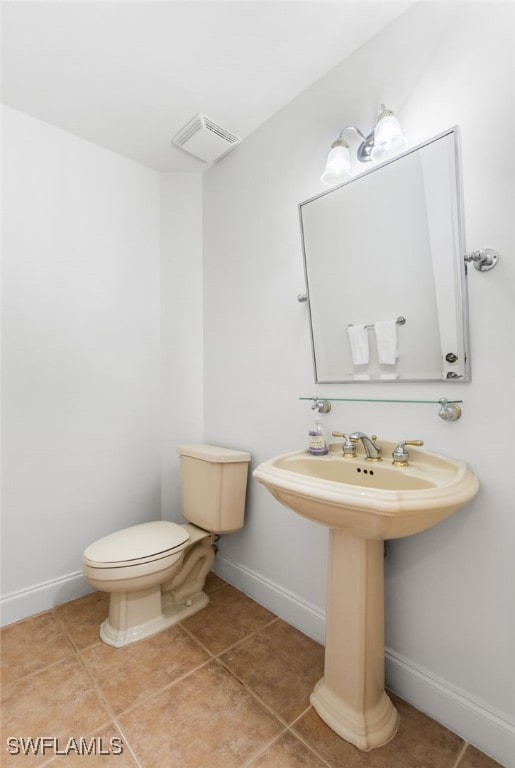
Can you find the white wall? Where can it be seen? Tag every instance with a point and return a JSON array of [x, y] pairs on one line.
[[81, 367], [102, 358], [450, 590], [181, 327]]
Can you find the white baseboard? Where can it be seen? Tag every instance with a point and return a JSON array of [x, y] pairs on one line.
[[487, 730], [42, 597], [470, 719]]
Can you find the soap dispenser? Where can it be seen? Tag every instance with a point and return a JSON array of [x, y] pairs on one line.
[[317, 442]]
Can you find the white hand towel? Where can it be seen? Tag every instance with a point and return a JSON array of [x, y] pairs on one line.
[[358, 338], [386, 337]]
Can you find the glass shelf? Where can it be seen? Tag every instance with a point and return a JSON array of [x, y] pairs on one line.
[[449, 409], [440, 401]]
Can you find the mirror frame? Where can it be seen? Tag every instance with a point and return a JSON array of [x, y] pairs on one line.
[[461, 266]]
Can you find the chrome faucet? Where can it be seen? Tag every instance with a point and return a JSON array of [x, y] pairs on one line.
[[372, 450]]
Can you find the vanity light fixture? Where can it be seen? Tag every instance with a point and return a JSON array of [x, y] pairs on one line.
[[337, 168], [385, 141]]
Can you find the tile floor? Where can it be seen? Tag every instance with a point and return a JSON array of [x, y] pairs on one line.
[[227, 688]]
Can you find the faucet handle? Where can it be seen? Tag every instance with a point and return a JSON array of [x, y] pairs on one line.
[[400, 455], [349, 446]]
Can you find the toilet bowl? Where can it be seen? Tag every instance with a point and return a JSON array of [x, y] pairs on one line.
[[155, 572]]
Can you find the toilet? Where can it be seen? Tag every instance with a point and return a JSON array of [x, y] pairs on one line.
[[155, 572]]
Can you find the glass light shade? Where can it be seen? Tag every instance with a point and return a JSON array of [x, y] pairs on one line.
[[337, 169], [389, 140]]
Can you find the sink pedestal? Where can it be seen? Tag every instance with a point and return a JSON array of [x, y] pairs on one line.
[[350, 697]]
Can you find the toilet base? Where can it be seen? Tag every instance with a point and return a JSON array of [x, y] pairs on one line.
[[167, 616]]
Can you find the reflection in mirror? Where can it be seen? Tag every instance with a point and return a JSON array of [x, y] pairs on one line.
[[385, 274]]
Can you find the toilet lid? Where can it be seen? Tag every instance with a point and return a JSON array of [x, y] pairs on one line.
[[138, 543]]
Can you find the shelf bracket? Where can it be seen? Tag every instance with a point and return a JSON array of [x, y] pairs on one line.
[[483, 260]]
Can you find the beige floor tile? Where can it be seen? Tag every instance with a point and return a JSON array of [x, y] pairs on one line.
[[281, 665], [105, 749], [82, 618], [473, 758], [287, 752], [129, 674], [419, 743], [31, 645], [229, 617], [58, 702], [207, 720]]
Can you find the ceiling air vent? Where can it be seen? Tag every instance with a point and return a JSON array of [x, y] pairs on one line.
[[205, 139]]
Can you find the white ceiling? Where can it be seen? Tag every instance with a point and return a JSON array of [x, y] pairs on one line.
[[128, 75]]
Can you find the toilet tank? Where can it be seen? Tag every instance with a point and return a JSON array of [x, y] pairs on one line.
[[213, 482]]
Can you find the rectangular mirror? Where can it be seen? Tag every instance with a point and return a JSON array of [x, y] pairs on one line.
[[387, 247]]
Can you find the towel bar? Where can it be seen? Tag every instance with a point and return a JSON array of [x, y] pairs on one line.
[[400, 321]]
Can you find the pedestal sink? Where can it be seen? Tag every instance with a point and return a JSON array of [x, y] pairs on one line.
[[363, 503]]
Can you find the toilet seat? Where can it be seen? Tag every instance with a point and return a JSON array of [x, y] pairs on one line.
[[138, 545]]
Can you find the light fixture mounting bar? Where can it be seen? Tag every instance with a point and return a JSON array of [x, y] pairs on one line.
[[366, 146]]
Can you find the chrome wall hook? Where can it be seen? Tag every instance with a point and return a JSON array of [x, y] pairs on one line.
[[483, 260]]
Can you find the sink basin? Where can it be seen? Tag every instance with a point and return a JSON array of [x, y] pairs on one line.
[[375, 500], [363, 503]]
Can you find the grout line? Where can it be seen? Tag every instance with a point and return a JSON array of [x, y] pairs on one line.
[[287, 726], [155, 693], [96, 686], [112, 715], [304, 741], [64, 627], [72, 650], [294, 735], [23, 678], [127, 742], [460, 754], [216, 655], [67, 634], [255, 696], [92, 734], [299, 717], [257, 755], [311, 749], [195, 639]]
